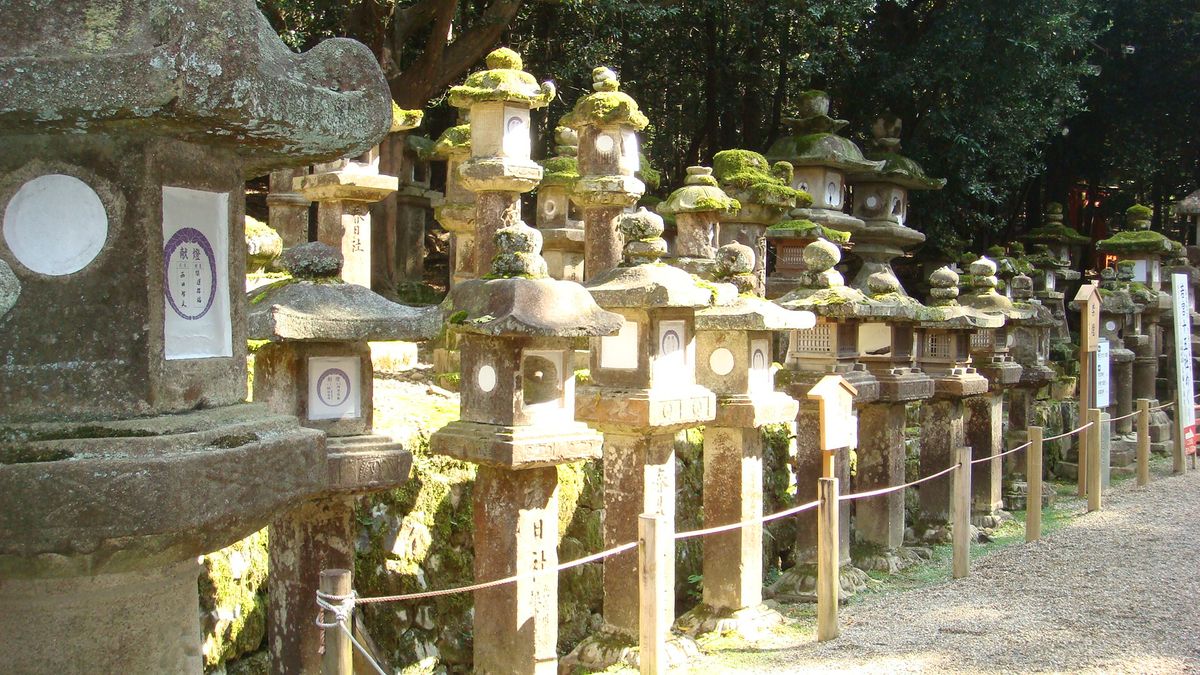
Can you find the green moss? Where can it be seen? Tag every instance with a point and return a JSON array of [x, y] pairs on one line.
[[649, 175], [1136, 241], [405, 119], [1058, 233], [454, 140], [458, 317], [583, 376], [506, 85], [714, 203], [233, 593], [804, 228], [560, 171], [1139, 212], [606, 107]]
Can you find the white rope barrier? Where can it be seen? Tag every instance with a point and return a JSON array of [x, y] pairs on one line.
[[1006, 453], [896, 488], [342, 607]]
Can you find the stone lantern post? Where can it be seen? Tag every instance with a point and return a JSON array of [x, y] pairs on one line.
[[129, 448], [821, 159], [764, 195], [1143, 252], [734, 346], [1055, 264], [317, 367], [1031, 350], [1120, 312], [829, 347], [563, 236], [455, 210], [517, 423], [697, 208], [287, 209], [499, 170], [344, 191], [887, 341], [643, 392], [985, 412], [944, 352], [606, 122]]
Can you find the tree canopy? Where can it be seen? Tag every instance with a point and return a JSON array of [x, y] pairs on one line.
[[1012, 102]]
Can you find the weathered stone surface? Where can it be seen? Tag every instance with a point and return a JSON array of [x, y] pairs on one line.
[[10, 288], [148, 64], [138, 516], [517, 447], [324, 311], [880, 520], [942, 434]]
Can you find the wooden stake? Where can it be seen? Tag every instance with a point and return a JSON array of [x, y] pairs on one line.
[[827, 559], [1093, 467], [657, 598], [962, 514], [1087, 366], [338, 658], [1033, 491], [1143, 442]]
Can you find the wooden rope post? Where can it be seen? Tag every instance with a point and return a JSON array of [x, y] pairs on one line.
[[962, 514], [339, 657], [1033, 490], [1143, 442], [827, 559], [656, 541], [1094, 480]]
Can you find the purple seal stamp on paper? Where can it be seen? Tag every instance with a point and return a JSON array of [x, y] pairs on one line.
[[189, 273], [333, 387]]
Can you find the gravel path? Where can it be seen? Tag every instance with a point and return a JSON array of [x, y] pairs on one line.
[[1114, 591]]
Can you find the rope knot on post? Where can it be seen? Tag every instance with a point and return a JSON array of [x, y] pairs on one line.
[[342, 607]]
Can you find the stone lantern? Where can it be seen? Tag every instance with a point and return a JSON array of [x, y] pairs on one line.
[[1031, 350], [130, 450], [287, 209], [317, 367], [1143, 253], [1188, 209], [734, 355], [944, 352], [344, 190], [829, 347], [764, 195], [499, 169], [455, 210], [697, 209], [517, 423], [821, 159], [563, 240], [990, 348], [887, 341], [643, 391], [1055, 264], [1121, 307], [607, 122]]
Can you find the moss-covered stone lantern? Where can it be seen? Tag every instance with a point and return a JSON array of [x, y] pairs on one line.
[[829, 347], [455, 210], [764, 195], [820, 158], [500, 169], [1143, 254], [643, 391], [317, 366], [734, 357], [607, 122], [518, 423], [944, 352], [563, 235], [697, 209], [1188, 209], [1055, 264], [127, 132]]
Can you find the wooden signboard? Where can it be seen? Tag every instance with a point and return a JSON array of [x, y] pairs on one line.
[[838, 425], [1089, 317], [1185, 415]]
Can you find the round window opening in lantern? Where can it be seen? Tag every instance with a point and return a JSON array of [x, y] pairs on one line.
[[541, 378]]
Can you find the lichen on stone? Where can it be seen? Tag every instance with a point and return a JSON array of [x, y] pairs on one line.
[[804, 228], [455, 140], [606, 105], [504, 81], [560, 171], [699, 193], [403, 120], [748, 171]]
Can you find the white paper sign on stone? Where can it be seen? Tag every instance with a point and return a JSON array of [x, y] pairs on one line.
[[620, 351], [1185, 403], [1103, 396], [671, 362], [197, 321], [333, 388], [760, 366]]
